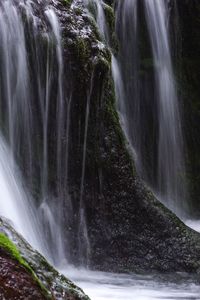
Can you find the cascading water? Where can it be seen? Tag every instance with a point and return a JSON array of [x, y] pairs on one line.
[[82, 230], [35, 121], [36, 130], [170, 145], [15, 110], [127, 81], [14, 199], [99, 16], [26, 101], [150, 116]]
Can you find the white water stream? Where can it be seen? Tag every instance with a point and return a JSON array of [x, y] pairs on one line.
[[170, 182], [104, 286], [150, 112], [15, 204]]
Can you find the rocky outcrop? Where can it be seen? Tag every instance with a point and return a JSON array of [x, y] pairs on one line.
[[25, 274], [16, 282], [128, 229]]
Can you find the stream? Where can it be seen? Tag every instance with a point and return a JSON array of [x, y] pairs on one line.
[[104, 286]]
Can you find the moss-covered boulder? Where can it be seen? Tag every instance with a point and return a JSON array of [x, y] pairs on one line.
[[128, 228], [26, 274]]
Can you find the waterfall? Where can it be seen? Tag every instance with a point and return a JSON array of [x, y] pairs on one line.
[[15, 109], [15, 202], [97, 6], [170, 145], [31, 73], [127, 85], [35, 111], [35, 119], [84, 243], [148, 106]]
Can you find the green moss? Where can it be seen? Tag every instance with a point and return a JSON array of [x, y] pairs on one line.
[[92, 8], [110, 17], [6, 244], [66, 2], [9, 247], [82, 48], [110, 20]]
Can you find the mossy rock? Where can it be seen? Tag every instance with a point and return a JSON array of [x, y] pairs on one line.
[[128, 228], [11, 249], [53, 284]]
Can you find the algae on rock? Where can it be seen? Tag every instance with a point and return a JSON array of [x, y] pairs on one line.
[[53, 284]]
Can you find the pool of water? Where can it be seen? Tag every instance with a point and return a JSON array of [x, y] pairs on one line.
[[108, 286]]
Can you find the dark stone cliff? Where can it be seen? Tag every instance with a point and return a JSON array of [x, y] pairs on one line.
[[129, 230]]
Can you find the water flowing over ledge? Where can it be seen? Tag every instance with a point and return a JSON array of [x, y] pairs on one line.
[[84, 202]]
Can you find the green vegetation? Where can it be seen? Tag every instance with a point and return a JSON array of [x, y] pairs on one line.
[[67, 2], [7, 245], [11, 249]]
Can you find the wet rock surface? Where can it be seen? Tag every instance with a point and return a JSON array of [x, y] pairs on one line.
[[15, 281], [57, 285], [129, 229]]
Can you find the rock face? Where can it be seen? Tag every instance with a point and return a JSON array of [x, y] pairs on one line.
[[43, 282], [127, 228], [16, 282]]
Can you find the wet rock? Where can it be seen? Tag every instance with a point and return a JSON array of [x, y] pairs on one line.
[[58, 286], [128, 228], [15, 281]]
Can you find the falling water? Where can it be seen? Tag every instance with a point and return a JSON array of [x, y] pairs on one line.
[[97, 6], [170, 145], [127, 79], [135, 93], [15, 109], [149, 106], [26, 104], [55, 220], [33, 103], [84, 243], [15, 204], [29, 99], [56, 30]]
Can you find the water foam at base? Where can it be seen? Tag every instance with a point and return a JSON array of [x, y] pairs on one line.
[[104, 286]]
